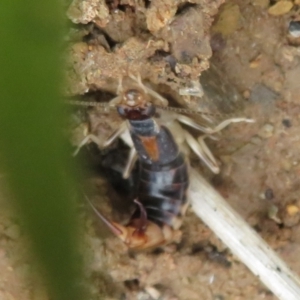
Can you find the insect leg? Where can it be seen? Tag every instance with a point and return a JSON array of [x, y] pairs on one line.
[[96, 140], [190, 122], [115, 135], [120, 86], [202, 151], [130, 163], [199, 147], [225, 123], [138, 79], [125, 136], [206, 149], [88, 138]]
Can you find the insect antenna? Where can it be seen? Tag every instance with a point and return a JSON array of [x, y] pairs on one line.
[[88, 103], [107, 105], [102, 106], [180, 110]]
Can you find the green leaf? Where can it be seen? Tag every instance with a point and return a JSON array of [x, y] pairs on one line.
[[31, 142]]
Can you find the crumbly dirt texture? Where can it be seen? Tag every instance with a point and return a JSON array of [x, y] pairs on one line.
[[166, 42], [170, 43]]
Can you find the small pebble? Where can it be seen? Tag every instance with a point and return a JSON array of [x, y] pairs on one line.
[[263, 95], [246, 94], [256, 140], [153, 292], [287, 123], [292, 209], [229, 19], [294, 28], [142, 296], [261, 3], [290, 220], [255, 62], [286, 164], [269, 194], [280, 8], [266, 131], [219, 297], [272, 214], [262, 196]]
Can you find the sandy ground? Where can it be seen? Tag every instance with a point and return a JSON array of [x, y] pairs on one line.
[[167, 42]]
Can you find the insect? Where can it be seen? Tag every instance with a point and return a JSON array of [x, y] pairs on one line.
[[163, 169]]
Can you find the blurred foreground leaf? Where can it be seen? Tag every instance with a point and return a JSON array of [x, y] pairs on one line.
[[31, 143]]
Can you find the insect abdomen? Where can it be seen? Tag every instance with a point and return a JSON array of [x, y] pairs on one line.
[[163, 199], [163, 182]]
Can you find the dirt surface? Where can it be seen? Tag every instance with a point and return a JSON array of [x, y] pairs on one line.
[[170, 43]]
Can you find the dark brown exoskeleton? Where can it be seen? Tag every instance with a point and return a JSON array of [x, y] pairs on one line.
[[163, 177]]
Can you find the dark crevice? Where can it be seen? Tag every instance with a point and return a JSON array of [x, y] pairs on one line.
[[198, 247], [112, 4], [287, 123], [281, 226], [142, 33], [219, 257], [257, 228], [157, 251], [97, 95], [126, 8], [97, 36], [183, 7], [132, 285], [115, 5], [212, 253], [147, 3], [158, 55]]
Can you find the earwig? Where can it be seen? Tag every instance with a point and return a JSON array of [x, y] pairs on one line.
[[163, 170], [163, 177], [171, 114]]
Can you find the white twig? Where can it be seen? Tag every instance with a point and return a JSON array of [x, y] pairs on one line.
[[242, 240]]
